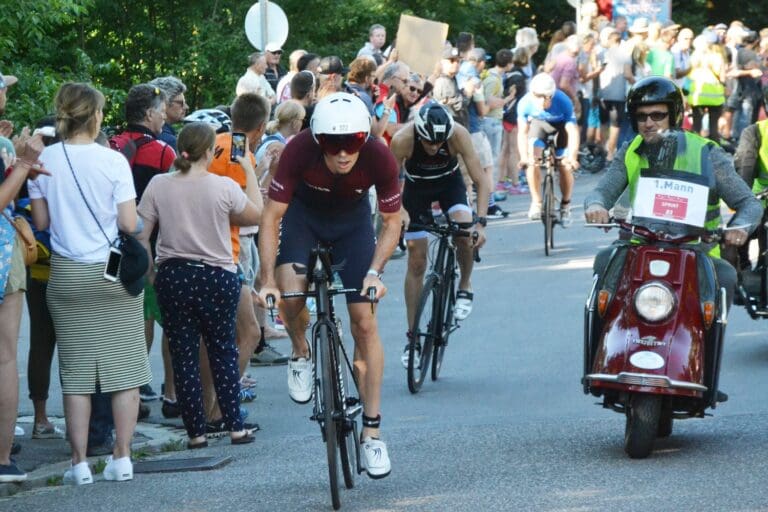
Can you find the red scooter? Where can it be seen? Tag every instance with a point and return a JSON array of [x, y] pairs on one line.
[[654, 326]]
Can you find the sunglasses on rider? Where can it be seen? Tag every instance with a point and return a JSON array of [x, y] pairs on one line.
[[655, 116], [349, 142], [415, 89]]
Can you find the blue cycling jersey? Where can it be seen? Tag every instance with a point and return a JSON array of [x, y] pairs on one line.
[[560, 111]]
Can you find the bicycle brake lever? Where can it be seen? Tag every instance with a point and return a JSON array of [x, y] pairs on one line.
[[372, 297], [475, 251]]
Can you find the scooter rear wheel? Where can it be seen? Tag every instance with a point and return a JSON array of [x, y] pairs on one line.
[[643, 416]]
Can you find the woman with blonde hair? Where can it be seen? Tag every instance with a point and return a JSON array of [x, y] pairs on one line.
[[99, 324]]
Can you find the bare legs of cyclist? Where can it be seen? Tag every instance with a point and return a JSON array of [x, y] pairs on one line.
[[533, 174]]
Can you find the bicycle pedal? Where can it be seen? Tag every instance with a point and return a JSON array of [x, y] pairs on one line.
[[351, 400]]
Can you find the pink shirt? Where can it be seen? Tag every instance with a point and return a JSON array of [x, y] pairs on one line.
[[566, 70], [193, 217]]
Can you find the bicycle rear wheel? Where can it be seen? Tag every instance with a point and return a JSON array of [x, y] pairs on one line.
[[424, 332], [548, 213], [329, 387], [449, 302]]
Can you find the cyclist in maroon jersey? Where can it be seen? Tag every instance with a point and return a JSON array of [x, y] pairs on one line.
[[320, 193]]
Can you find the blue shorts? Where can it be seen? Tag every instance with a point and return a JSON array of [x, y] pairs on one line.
[[593, 117], [350, 234]]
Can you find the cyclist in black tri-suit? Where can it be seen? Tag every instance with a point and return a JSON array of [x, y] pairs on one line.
[[428, 150]]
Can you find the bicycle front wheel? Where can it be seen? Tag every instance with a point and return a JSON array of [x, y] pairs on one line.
[[347, 427], [548, 213], [329, 387], [449, 303], [424, 331]]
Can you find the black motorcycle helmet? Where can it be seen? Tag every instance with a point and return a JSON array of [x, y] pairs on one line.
[[433, 123], [653, 90]]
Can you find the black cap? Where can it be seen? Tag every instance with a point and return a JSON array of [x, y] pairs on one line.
[[331, 65], [133, 265]]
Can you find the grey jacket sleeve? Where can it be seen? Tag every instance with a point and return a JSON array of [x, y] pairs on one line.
[[745, 159], [736, 194], [612, 184]]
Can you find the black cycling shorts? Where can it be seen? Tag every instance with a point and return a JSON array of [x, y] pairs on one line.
[[418, 196], [613, 113], [350, 234]]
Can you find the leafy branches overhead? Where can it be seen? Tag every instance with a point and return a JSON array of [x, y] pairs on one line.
[[118, 43]]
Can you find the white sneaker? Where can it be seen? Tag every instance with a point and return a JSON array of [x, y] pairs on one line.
[[300, 380], [79, 474], [565, 215], [375, 458], [118, 469]]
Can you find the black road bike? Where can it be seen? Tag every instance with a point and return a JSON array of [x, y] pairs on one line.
[[434, 321], [548, 210], [337, 407]]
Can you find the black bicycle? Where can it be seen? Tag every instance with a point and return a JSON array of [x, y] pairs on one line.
[[434, 321], [336, 403], [548, 212]]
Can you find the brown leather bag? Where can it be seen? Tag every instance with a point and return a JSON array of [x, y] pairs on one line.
[[26, 238]]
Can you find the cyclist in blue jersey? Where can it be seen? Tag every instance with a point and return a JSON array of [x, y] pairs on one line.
[[543, 111]]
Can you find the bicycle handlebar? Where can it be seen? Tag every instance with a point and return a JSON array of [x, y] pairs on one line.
[[451, 229], [707, 236]]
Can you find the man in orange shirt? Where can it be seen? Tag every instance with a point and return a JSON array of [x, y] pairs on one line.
[[249, 114]]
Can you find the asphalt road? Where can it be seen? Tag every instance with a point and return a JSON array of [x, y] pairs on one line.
[[505, 428]]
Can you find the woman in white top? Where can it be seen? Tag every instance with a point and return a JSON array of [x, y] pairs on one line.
[[88, 198]]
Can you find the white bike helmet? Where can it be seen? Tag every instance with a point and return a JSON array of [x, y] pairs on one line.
[[216, 118], [338, 114], [543, 85]]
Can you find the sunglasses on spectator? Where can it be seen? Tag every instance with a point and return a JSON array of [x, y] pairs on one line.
[[350, 143], [655, 116], [415, 89], [277, 52]]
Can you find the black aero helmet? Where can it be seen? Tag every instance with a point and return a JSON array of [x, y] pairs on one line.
[[434, 123], [653, 90]]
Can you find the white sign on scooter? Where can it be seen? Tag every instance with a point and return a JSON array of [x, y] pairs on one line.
[[671, 200]]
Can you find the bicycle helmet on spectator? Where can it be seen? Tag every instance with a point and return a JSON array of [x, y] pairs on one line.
[[543, 85], [433, 123], [654, 90], [216, 118]]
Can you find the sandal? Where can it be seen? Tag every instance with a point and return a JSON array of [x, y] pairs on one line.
[[463, 306], [197, 446], [248, 438]]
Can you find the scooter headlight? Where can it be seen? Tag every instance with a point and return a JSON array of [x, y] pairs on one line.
[[654, 302]]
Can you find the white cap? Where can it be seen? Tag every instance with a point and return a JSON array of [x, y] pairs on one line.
[[273, 47]]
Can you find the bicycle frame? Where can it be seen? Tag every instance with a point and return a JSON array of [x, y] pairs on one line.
[[548, 218]]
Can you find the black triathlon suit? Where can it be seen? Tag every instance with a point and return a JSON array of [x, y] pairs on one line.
[[430, 178]]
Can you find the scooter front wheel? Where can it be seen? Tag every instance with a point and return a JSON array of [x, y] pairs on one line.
[[642, 425]]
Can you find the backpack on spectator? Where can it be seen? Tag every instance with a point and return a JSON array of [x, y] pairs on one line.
[[128, 146]]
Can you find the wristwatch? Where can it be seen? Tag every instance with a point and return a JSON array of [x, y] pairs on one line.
[[374, 272], [482, 221]]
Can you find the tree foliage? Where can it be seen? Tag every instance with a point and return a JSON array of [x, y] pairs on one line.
[[117, 43]]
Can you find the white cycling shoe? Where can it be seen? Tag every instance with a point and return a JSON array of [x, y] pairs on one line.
[[463, 306], [300, 380], [375, 458]]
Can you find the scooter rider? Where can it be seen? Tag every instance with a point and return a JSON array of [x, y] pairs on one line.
[[751, 161], [662, 149]]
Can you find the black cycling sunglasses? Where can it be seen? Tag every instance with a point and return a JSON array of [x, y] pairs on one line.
[[655, 116]]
